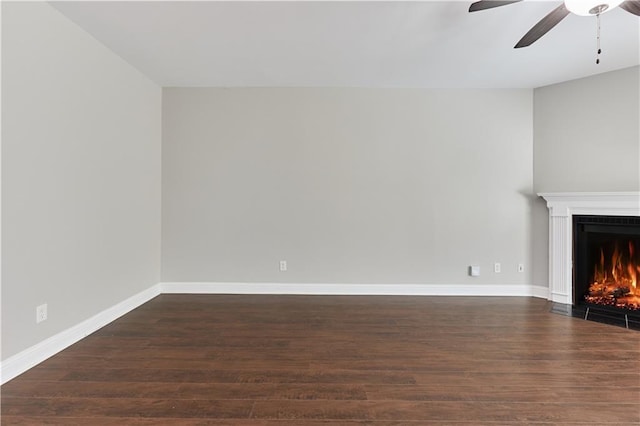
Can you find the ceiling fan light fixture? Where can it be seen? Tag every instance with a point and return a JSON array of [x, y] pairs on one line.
[[591, 7]]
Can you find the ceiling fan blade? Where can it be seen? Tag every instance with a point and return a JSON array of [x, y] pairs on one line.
[[543, 26], [489, 4], [631, 6]]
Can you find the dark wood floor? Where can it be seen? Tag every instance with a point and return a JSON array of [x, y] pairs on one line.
[[298, 360]]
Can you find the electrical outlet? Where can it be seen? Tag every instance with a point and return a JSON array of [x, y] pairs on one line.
[[283, 266], [41, 313], [520, 267], [496, 268]]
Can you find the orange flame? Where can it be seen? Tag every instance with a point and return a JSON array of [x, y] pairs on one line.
[[616, 283]]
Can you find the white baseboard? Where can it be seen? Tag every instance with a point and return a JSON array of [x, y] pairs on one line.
[[354, 289], [540, 292], [560, 298], [30, 357]]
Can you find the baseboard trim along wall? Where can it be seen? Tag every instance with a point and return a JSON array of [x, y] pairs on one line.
[[21, 362], [354, 289]]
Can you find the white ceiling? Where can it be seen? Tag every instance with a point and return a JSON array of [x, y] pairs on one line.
[[353, 44]]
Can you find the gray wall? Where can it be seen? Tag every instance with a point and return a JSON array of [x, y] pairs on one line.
[[80, 176], [347, 185], [587, 134]]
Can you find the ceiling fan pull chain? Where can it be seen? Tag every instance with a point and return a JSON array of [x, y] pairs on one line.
[[598, 39]]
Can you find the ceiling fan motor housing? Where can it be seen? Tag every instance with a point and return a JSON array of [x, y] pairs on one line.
[[591, 7], [597, 10]]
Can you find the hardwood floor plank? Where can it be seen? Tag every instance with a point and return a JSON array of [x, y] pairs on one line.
[[363, 365], [238, 376], [216, 391], [116, 362], [590, 413], [447, 411], [567, 393], [317, 410], [127, 407], [542, 379]]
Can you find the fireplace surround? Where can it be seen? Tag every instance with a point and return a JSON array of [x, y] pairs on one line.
[[563, 206]]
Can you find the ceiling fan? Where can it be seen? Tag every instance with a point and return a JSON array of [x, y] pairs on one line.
[[578, 7]]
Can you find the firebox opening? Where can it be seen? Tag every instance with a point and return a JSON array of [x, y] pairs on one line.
[[607, 262]]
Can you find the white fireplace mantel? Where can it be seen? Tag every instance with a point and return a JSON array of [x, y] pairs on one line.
[[562, 206]]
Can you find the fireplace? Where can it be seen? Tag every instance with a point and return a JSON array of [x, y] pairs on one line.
[[600, 222], [606, 263]]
